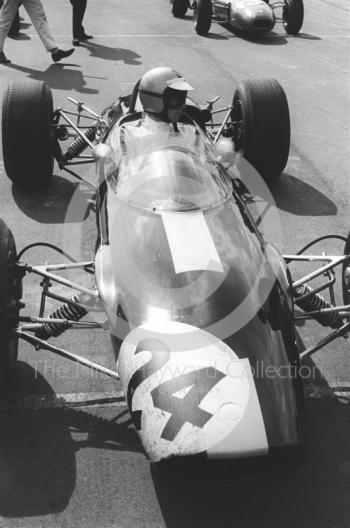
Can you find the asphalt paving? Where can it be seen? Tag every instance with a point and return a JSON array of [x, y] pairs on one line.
[[69, 456]]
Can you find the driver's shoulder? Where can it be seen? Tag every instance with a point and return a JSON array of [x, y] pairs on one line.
[[122, 129]]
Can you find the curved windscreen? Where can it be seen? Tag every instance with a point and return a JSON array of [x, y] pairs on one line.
[[170, 173]]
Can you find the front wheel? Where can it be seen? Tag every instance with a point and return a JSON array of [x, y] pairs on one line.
[[10, 293], [202, 13], [293, 16], [27, 132], [260, 111], [179, 8]]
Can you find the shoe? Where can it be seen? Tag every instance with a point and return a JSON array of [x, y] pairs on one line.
[[86, 37], [76, 40], [3, 58], [59, 54]]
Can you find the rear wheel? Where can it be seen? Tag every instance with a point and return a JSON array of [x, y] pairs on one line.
[[179, 8], [202, 15], [26, 132], [261, 108], [346, 273], [293, 16], [10, 293]]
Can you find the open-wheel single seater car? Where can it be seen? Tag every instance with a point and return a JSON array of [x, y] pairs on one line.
[[199, 304], [252, 16]]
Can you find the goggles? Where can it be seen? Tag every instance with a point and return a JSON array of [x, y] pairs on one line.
[[174, 99]]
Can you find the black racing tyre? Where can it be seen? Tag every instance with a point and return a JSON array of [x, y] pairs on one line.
[[27, 132], [10, 293], [293, 16], [179, 8], [346, 273], [202, 15], [261, 107]]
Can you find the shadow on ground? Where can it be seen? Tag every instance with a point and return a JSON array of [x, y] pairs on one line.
[[315, 495], [19, 36], [62, 201], [305, 36], [37, 456], [300, 198], [271, 38], [59, 77], [218, 36], [287, 192], [38, 447], [112, 53]]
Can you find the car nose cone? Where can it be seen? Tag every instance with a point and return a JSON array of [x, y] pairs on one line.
[[257, 16], [263, 20], [187, 392]]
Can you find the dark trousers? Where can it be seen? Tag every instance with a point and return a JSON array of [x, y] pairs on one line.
[[79, 7]]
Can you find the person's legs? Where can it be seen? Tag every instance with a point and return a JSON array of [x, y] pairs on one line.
[[7, 15], [79, 8], [37, 15]]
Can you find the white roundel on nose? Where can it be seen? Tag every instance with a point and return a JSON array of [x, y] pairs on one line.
[[186, 389]]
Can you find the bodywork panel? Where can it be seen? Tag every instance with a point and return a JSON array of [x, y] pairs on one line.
[[246, 15]]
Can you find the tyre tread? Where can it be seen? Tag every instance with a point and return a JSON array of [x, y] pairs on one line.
[[26, 132]]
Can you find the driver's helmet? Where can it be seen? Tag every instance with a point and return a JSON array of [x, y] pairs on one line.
[[159, 86]]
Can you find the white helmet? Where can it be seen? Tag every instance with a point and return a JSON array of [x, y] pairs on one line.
[[154, 85]]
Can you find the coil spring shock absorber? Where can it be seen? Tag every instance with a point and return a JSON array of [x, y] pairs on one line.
[[314, 302], [65, 311], [79, 144]]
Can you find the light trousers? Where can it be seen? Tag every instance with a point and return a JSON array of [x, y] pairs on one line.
[[36, 14]]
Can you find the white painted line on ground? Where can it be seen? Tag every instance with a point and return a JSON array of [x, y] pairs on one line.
[[169, 35], [341, 389], [33, 402], [344, 36], [56, 401], [192, 35]]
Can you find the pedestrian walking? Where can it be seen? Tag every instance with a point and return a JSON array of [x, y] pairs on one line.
[[37, 15], [79, 35]]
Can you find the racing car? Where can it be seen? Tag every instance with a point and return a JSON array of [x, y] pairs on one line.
[[252, 16], [198, 302]]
